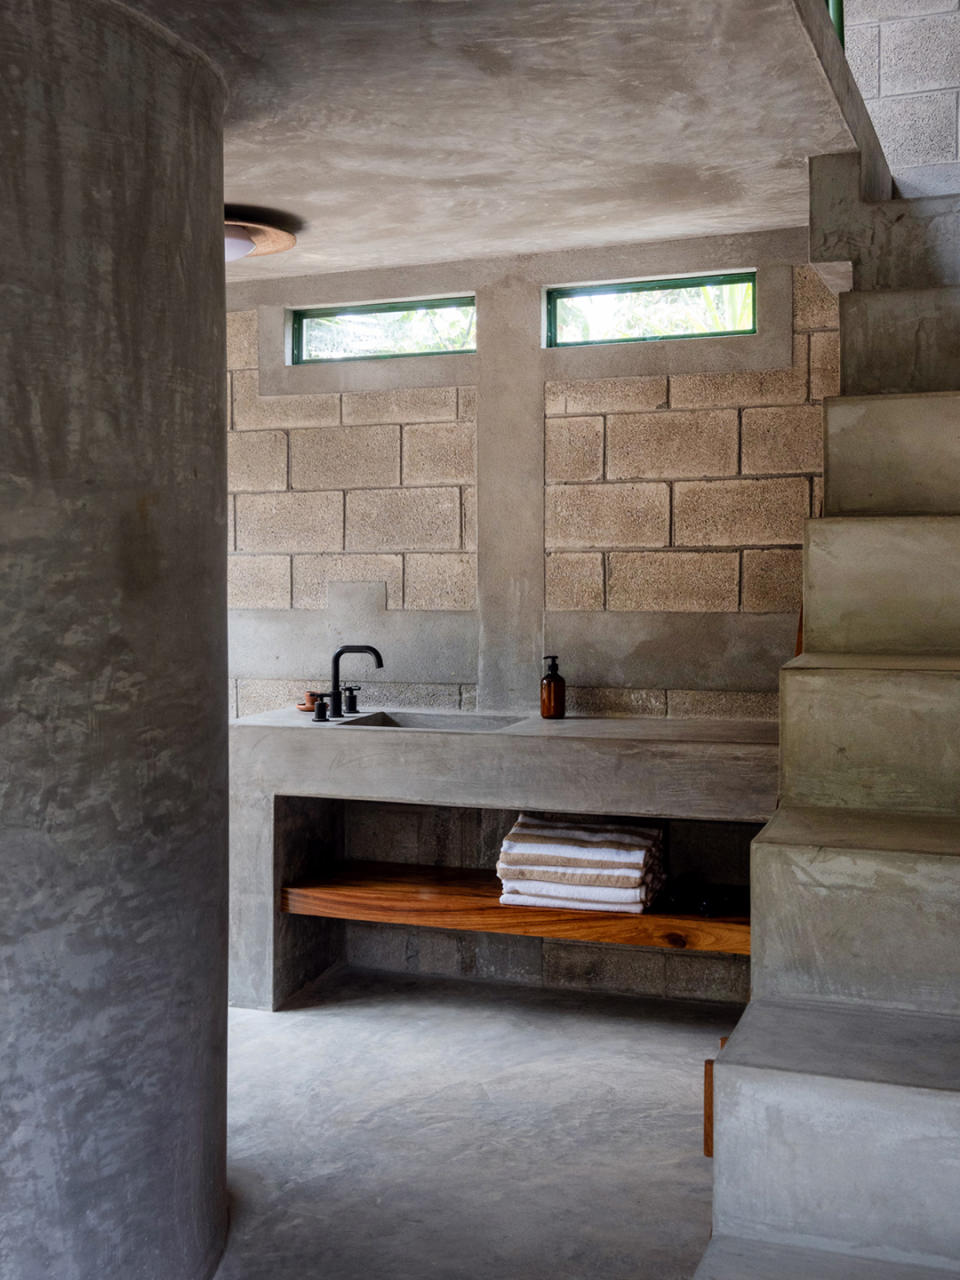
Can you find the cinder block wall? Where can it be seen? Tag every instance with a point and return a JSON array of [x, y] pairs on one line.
[[905, 57], [673, 500], [688, 494]]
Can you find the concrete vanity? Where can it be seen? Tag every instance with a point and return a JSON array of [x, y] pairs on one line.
[[723, 770]]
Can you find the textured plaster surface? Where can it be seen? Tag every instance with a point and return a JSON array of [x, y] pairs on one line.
[[413, 132], [113, 785], [462, 1131]]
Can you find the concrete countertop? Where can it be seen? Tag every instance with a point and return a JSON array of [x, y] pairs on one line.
[[645, 766]]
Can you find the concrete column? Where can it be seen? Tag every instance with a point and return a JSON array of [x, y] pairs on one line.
[[112, 635]]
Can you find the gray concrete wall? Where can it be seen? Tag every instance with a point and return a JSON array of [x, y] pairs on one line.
[[504, 498], [112, 788], [905, 57]]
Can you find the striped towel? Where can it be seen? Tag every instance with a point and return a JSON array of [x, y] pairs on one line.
[[582, 866]]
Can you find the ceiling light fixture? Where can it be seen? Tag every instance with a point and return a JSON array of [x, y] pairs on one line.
[[253, 239]]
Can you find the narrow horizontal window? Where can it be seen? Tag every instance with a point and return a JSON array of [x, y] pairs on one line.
[[647, 310], [435, 326]]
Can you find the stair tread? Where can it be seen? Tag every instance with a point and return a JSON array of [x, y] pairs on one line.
[[862, 829], [865, 1043], [734, 1258], [942, 662]]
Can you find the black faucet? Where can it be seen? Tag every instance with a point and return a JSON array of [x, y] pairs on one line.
[[336, 693]]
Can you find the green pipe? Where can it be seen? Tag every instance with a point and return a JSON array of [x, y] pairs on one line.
[[835, 8]]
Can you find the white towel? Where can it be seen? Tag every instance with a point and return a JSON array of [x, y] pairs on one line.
[[613, 877], [569, 904], [573, 892], [534, 842]]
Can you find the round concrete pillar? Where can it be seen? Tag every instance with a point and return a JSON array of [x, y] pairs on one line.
[[112, 635]]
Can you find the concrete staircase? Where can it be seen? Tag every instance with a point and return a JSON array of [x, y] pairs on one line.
[[837, 1105]]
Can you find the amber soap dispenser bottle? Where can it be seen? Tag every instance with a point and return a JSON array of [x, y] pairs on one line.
[[553, 691]]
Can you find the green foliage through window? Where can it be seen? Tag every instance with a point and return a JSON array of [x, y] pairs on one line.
[[435, 326], [643, 311]]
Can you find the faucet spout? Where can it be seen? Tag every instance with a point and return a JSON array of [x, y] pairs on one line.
[[336, 693]]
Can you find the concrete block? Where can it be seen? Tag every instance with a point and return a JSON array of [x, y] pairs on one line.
[[816, 497], [707, 977], [674, 581], [574, 449], [439, 453], [722, 704], [403, 520], [412, 404], [254, 412], [290, 522], [607, 515], [312, 574], [468, 498], [254, 696], [468, 697], [809, 1096], [882, 584], [498, 957], [921, 53], [598, 967], [231, 523], [574, 580], [345, 458], [772, 581], [784, 439], [467, 403], [814, 305], [256, 461], [862, 731], [425, 697], [893, 455], [258, 582], [916, 130], [608, 395], [824, 365], [554, 398], [862, 47], [615, 702], [720, 390], [855, 882], [660, 446], [243, 351], [900, 341], [737, 512], [928, 180], [440, 581]]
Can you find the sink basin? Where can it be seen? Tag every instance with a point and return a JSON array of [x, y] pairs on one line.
[[462, 722]]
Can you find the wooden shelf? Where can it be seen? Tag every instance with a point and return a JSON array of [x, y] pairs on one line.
[[448, 898]]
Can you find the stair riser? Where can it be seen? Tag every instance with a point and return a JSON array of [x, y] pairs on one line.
[[861, 926], [892, 455], [902, 341], [855, 739], [738, 1259], [887, 585], [800, 1146]]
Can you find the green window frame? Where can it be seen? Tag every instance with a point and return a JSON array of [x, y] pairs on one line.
[[650, 286], [379, 308]]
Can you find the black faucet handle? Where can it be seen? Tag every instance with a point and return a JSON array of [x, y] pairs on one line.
[[350, 698], [320, 706]]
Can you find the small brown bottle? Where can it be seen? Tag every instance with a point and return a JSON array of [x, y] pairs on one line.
[[553, 691]]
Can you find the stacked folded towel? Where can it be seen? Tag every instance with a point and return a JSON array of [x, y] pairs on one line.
[[586, 866]]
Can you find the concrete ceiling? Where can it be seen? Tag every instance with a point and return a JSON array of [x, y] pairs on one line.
[[407, 131]]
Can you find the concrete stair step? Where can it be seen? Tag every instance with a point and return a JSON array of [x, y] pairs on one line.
[[874, 899], [871, 731], [892, 455], [836, 1128], [882, 584], [733, 1258], [900, 340]]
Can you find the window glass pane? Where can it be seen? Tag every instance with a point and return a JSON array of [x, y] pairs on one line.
[[658, 309], [394, 329]]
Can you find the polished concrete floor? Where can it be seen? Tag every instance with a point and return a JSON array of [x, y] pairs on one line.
[[399, 1128]]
